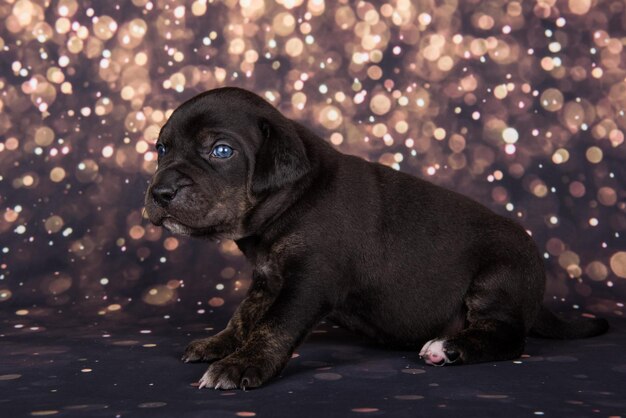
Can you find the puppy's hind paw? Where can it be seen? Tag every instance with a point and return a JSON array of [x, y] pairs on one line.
[[437, 353]]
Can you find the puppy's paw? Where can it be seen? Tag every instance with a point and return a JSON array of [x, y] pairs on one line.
[[232, 373], [195, 351], [438, 353], [208, 349]]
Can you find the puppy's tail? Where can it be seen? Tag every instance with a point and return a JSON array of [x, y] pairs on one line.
[[548, 325]]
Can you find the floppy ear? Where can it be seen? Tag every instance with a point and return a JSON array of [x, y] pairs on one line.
[[281, 160]]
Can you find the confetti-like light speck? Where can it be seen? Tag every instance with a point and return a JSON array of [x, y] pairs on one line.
[[521, 107]]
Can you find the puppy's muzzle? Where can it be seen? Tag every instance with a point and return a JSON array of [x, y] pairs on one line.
[[167, 185]]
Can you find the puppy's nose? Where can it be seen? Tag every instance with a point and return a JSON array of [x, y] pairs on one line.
[[163, 194], [167, 185]]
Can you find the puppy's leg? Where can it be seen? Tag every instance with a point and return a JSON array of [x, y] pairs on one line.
[[495, 323], [270, 344], [480, 342], [259, 297]]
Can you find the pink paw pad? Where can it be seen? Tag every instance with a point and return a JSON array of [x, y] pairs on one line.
[[434, 354]]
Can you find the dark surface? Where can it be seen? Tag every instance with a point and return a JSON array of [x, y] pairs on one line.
[[334, 374]]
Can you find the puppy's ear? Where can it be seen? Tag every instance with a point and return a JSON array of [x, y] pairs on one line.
[[281, 160]]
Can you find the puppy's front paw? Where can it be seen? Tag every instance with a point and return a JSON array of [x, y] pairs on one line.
[[209, 349], [232, 373], [437, 353]]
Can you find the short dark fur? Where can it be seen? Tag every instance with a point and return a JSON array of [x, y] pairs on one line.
[[333, 236]]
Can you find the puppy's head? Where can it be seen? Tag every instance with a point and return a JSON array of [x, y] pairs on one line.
[[220, 153]]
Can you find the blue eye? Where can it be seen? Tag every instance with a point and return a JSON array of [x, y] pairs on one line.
[[161, 149], [222, 151]]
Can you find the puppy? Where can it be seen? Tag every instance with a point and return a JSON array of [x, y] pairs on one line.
[[380, 252]]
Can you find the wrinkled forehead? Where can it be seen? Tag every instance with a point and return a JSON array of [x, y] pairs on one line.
[[203, 114]]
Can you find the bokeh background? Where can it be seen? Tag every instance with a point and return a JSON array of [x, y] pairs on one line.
[[518, 104]]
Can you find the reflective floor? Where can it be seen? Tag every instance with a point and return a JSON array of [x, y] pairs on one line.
[[131, 368]]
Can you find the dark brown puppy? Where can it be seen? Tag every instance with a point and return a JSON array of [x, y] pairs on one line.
[[330, 235]]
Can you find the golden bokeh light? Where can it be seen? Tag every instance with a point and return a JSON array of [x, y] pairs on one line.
[[519, 106]]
